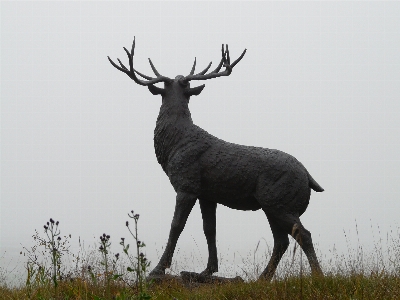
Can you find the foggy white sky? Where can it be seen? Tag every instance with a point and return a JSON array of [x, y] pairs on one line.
[[320, 80]]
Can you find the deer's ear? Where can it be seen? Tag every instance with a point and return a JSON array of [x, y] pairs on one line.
[[195, 91], [155, 90]]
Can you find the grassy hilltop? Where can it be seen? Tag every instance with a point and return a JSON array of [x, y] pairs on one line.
[[53, 272]]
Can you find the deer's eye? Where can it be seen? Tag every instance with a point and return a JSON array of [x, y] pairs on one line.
[[184, 83]]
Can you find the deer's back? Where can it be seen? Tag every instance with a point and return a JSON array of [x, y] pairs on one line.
[[232, 174], [229, 173]]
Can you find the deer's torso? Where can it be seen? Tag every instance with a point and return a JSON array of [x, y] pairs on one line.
[[199, 163]]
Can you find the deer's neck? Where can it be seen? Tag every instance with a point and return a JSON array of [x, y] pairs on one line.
[[172, 126]]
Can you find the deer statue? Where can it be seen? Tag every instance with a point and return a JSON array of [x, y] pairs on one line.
[[203, 167]]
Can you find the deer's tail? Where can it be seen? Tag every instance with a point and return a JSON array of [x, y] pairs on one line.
[[313, 184]]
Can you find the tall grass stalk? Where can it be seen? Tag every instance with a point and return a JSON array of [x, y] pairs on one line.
[[104, 246], [141, 265], [51, 230]]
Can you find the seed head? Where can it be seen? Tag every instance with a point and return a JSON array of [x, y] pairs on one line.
[[127, 223], [51, 221], [57, 223]]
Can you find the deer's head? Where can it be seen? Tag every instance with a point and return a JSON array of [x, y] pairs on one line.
[[179, 88]]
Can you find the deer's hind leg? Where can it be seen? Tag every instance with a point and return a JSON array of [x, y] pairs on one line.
[[290, 224], [281, 243], [303, 237], [208, 212]]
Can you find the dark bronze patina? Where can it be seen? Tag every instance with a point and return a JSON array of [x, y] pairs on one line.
[[204, 167]]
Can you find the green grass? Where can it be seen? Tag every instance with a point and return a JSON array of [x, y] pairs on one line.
[[357, 286], [53, 272]]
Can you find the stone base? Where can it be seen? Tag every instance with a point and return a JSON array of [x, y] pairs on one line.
[[194, 279]]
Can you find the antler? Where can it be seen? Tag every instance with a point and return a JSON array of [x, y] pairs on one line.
[[225, 61], [131, 72]]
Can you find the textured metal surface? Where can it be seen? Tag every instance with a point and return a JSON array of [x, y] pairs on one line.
[[203, 167]]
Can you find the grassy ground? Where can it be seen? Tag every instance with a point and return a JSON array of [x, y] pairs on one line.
[[53, 272], [374, 286]]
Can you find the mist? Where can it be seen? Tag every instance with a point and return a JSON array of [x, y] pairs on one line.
[[320, 81]]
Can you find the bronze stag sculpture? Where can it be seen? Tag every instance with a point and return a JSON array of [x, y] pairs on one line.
[[204, 167]]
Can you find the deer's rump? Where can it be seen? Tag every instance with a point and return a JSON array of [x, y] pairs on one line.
[[248, 178]]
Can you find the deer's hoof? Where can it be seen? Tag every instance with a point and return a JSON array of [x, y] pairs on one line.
[[206, 272], [157, 272]]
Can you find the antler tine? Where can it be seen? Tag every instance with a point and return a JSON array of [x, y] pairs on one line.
[[131, 72], [154, 68], [133, 47], [121, 64], [194, 66], [239, 58], [130, 57], [186, 80], [205, 70], [225, 61], [117, 67], [142, 75], [155, 80], [219, 66], [222, 62], [227, 55]]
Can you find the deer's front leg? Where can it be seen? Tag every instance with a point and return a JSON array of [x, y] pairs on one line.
[[183, 207], [208, 212]]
